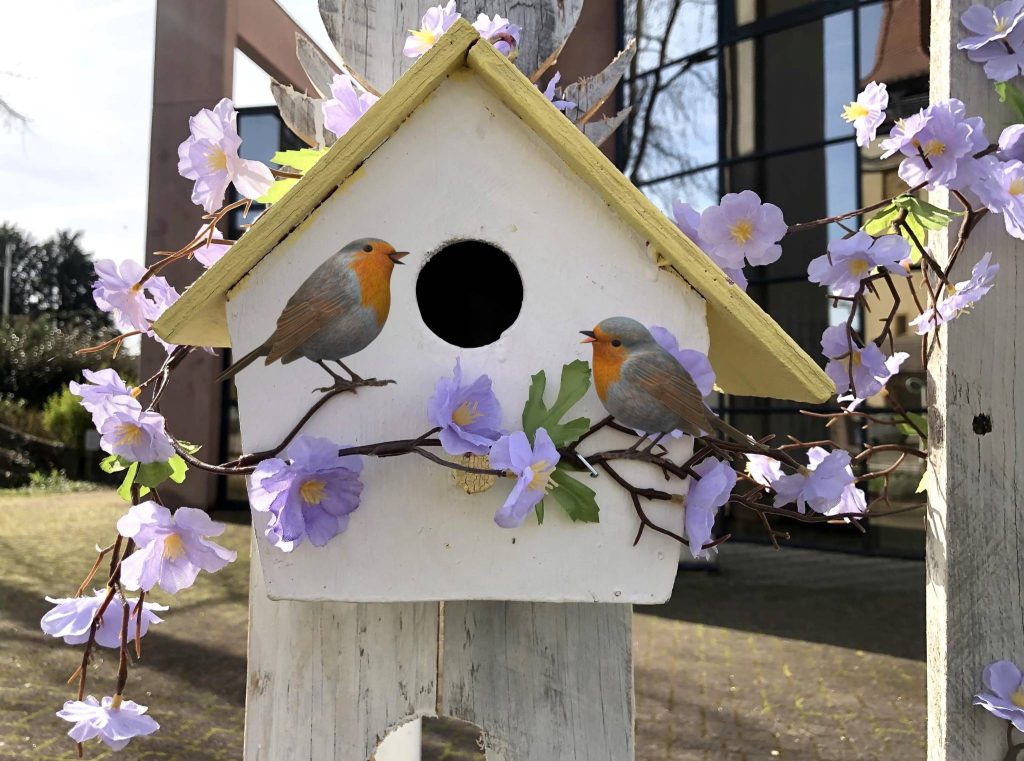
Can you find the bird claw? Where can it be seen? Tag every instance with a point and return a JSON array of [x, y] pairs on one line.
[[351, 386]]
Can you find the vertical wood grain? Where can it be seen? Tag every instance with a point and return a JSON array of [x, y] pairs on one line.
[[975, 531], [544, 681], [328, 680]]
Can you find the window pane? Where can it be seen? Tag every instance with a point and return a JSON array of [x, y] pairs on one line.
[[700, 190], [668, 30]]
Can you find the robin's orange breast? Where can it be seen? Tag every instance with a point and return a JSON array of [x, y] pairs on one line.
[[374, 278], [607, 367]]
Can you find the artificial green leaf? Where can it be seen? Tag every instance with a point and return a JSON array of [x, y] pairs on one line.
[[1013, 97], [920, 420], [576, 498], [114, 464], [124, 491], [189, 447], [573, 385], [539, 510], [178, 469], [920, 217], [923, 486], [153, 473], [301, 160], [927, 214], [277, 190]]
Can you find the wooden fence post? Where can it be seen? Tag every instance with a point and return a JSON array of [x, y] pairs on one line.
[[976, 382]]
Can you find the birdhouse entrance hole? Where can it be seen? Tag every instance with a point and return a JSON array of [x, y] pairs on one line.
[[469, 293]]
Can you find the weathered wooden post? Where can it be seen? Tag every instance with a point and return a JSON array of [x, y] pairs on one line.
[[975, 534]]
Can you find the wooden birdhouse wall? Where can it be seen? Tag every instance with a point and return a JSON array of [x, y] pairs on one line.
[[463, 167]]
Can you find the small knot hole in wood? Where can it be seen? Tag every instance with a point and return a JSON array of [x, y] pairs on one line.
[[432, 738], [469, 293]]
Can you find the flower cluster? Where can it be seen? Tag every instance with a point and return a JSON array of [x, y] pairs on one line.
[[996, 39], [134, 307], [347, 103], [862, 369], [826, 485], [500, 32]]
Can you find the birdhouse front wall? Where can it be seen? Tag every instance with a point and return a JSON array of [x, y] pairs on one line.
[[463, 167]]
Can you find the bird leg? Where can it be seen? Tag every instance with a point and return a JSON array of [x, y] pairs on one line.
[[344, 367], [344, 385], [653, 443]]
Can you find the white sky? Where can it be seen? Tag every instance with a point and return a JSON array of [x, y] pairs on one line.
[[83, 161]]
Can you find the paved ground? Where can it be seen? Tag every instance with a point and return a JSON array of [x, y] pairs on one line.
[[794, 655]]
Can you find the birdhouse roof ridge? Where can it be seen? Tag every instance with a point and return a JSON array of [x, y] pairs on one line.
[[750, 352]]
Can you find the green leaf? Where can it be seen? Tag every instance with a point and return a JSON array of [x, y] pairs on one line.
[[114, 464], [921, 217], [153, 473], [189, 447], [928, 215], [124, 491], [539, 510], [277, 190], [573, 386], [923, 486], [1013, 97], [301, 160], [577, 499], [920, 420]]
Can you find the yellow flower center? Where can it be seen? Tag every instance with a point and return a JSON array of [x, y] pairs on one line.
[[541, 475], [115, 702], [934, 148], [424, 35], [1017, 698], [174, 548], [312, 491], [855, 111], [466, 413], [858, 267], [855, 358], [217, 160], [742, 230], [1001, 23], [127, 434], [1017, 186], [135, 392]]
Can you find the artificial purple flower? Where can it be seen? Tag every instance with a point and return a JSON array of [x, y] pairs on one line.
[[114, 721], [1001, 189], [687, 219], [764, 470], [133, 307], [868, 362], [939, 144], [851, 499], [997, 39], [549, 93], [435, 22], [822, 485], [135, 434], [209, 156], [102, 390], [703, 499], [499, 32], [963, 296], [532, 468], [1004, 692], [308, 496], [850, 260], [741, 227], [347, 104], [892, 366], [210, 253], [695, 362], [71, 619], [469, 416], [1011, 143], [868, 112], [171, 549]]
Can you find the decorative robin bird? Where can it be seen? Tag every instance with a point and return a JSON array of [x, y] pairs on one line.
[[643, 386], [338, 311]]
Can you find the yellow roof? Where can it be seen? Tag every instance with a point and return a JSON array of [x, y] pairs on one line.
[[750, 353]]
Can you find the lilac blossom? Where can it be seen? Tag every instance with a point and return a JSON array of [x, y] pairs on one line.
[[961, 298], [703, 499], [133, 307], [764, 470], [851, 499], [892, 366], [742, 227], [171, 549], [939, 144], [1001, 189], [71, 619], [210, 253], [135, 434], [868, 362], [346, 105], [311, 495], [850, 260], [435, 22], [549, 93], [499, 32], [532, 468], [997, 40], [687, 219], [102, 390], [868, 112], [209, 156], [1011, 143], [114, 721], [822, 485], [469, 416], [1004, 692]]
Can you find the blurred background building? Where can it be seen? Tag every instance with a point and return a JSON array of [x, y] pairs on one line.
[[726, 95]]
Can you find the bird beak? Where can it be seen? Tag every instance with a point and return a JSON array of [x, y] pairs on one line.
[[590, 337], [396, 256]]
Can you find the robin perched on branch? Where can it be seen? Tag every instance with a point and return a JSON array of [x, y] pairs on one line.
[[338, 311]]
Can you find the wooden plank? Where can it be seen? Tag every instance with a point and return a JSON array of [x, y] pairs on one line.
[[544, 681], [318, 67], [590, 92], [751, 354], [975, 535], [198, 317], [327, 681]]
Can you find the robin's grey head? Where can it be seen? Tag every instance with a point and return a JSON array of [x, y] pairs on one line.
[[374, 247], [621, 332]]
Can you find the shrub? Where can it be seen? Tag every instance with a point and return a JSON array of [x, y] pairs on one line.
[[66, 420]]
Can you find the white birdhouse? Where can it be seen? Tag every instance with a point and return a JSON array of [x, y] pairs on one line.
[[521, 233]]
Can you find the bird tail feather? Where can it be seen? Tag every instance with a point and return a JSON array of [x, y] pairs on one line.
[[244, 362]]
